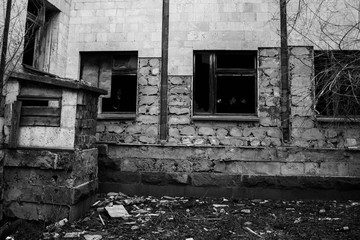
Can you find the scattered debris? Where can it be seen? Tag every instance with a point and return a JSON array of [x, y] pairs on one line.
[[74, 234], [343, 229], [328, 219], [167, 217], [92, 237], [248, 211], [298, 220], [117, 211], [253, 232], [220, 205], [53, 235], [61, 222], [135, 227], [102, 220]]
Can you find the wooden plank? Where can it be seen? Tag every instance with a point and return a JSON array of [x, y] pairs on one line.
[[164, 71], [15, 119], [55, 82], [40, 92], [40, 111], [40, 121]]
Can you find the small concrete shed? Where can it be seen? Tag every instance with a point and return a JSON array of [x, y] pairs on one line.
[[50, 167]]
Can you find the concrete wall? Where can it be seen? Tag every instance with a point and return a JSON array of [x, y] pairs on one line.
[[44, 136], [51, 54], [113, 26], [218, 25]]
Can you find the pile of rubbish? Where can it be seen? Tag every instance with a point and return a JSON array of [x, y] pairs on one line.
[[114, 205]]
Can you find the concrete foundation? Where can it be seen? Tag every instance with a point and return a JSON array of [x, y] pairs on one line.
[[230, 171]]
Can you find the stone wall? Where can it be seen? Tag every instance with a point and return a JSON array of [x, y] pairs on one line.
[[264, 130], [144, 129], [85, 125], [261, 131], [183, 130], [233, 156], [306, 129]]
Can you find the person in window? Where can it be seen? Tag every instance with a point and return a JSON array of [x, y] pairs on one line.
[[117, 100]]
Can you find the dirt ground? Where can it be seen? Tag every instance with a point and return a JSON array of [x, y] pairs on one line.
[[194, 218]]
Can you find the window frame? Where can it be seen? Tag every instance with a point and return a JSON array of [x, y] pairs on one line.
[[214, 72], [108, 115], [334, 117]]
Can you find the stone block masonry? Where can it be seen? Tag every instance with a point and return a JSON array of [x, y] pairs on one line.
[[144, 129], [200, 153]]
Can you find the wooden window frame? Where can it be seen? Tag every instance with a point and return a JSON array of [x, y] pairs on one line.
[[213, 75], [113, 115], [43, 116]]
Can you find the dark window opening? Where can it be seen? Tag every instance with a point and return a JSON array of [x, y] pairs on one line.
[[117, 69], [123, 96], [39, 12], [337, 83], [38, 103], [38, 111], [225, 83]]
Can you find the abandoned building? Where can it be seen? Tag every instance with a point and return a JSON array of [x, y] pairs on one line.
[[202, 99]]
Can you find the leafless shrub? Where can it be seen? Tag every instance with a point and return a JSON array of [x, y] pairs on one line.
[[333, 28]]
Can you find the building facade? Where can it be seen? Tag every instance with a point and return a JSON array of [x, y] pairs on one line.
[[214, 126]]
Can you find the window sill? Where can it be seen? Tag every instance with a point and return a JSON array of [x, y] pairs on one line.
[[337, 119], [116, 116], [226, 118]]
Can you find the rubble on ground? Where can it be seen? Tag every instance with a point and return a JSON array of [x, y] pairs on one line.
[[119, 216]]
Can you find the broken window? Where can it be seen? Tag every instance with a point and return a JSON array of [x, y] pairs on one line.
[[37, 111], [39, 14], [115, 72], [225, 83], [337, 83]]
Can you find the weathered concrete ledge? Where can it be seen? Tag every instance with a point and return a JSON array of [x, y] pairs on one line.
[[285, 161], [43, 184], [230, 171]]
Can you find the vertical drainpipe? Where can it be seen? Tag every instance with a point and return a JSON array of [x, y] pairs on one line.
[[4, 47], [285, 91], [164, 72]]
